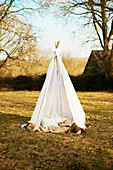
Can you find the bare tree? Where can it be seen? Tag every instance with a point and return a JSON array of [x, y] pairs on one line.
[[20, 7], [99, 13], [17, 39]]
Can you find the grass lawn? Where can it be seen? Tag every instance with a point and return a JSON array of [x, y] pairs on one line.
[[21, 149]]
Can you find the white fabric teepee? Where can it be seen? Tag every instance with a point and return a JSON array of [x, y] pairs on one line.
[[58, 98]]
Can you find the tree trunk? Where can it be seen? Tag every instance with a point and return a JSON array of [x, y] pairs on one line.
[[107, 63], [105, 39]]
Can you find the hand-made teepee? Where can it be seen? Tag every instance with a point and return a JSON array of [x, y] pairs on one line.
[[58, 99]]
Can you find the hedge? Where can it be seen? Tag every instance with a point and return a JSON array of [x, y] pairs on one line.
[[93, 82]]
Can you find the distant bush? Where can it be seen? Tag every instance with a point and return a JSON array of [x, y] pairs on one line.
[[109, 83], [28, 82], [22, 83], [6, 82], [92, 82], [83, 82], [38, 82]]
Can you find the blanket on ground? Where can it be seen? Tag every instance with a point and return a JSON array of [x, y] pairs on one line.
[[64, 127]]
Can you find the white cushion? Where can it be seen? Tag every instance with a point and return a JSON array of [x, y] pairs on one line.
[[49, 122]]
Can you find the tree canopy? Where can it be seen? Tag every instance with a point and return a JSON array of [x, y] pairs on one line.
[[17, 38]]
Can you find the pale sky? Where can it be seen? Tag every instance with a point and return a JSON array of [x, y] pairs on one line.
[[56, 29], [72, 34]]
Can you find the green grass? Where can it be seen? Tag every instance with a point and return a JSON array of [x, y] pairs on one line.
[[21, 149]]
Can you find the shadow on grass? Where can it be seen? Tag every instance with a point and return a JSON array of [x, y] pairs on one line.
[[11, 118], [21, 149]]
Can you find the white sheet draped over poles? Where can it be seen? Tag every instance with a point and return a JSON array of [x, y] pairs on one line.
[[58, 98]]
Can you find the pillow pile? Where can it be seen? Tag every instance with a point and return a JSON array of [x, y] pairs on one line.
[[49, 122]]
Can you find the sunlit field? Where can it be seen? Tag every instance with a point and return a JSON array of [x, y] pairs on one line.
[[21, 149]]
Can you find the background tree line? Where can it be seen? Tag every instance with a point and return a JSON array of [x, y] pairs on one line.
[[93, 82], [19, 41]]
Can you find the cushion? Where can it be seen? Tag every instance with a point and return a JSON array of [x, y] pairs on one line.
[[49, 122]]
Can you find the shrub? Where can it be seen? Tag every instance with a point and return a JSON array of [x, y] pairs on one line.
[[28, 82], [85, 82], [38, 82], [22, 83], [6, 82], [92, 82]]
